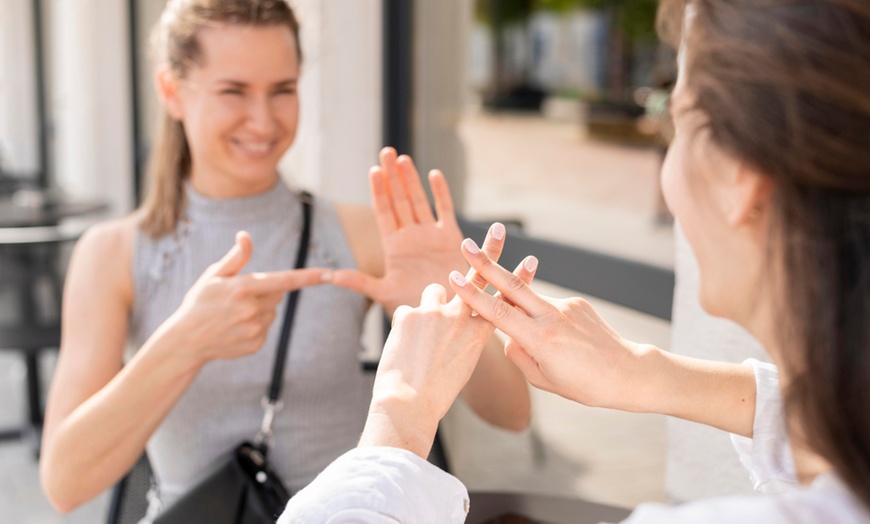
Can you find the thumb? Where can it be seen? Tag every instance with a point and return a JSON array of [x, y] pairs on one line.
[[358, 281], [235, 259], [522, 360]]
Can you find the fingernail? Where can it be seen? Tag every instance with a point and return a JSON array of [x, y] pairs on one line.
[[326, 277], [470, 246], [498, 231], [458, 279], [530, 263]]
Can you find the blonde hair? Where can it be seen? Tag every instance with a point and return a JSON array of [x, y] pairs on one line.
[[175, 47]]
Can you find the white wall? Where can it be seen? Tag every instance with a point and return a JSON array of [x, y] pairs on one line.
[[442, 34], [91, 101], [19, 126], [340, 127]]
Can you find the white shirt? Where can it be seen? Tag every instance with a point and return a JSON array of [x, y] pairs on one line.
[[387, 485]]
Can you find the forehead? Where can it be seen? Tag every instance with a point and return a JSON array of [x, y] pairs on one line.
[[248, 52]]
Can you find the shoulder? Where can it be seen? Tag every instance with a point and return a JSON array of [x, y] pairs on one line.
[[818, 503], [104, 254], [361, 230]]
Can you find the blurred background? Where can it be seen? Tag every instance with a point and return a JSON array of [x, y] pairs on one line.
[[545, 114]]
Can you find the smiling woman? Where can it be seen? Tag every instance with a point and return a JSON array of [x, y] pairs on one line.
[[185, 292]]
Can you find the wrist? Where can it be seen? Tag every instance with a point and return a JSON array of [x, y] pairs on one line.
[[171, 343], [649, 376], [396, 423]]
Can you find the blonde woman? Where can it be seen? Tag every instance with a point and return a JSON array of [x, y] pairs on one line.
[[184, 293]]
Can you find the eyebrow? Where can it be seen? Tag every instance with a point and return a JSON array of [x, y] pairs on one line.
[[237, 83]]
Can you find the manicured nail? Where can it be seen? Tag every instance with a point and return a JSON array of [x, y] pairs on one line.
[[458, 279], [470, 246], [497, 231], [326, 277], [530, 263]]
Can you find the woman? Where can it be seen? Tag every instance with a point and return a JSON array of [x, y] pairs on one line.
[[770, 178], [196, 308]]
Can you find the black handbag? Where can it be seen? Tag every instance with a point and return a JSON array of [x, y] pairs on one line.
[[244, 489]]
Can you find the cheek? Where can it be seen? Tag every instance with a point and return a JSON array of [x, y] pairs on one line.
[[673, 179]]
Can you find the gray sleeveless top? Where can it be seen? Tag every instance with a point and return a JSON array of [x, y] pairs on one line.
[[325, 394]]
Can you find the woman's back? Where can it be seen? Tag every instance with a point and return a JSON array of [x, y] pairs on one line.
[[326, 393]]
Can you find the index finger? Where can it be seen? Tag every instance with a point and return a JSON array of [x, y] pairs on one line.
[[508, 284], [287, 280], [419, 201], [513, 322]]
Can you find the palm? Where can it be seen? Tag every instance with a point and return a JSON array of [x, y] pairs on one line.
[[419, 248]]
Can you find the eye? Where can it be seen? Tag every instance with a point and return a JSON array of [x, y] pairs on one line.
[[231, 91], [286, 91]]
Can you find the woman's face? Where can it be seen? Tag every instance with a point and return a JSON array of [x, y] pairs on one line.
[[706, 189], [239, 107]]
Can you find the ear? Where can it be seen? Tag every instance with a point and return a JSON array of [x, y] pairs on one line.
[[751, 193], [168, 89]]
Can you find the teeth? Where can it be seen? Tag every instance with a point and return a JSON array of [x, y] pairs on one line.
[[255, 147]]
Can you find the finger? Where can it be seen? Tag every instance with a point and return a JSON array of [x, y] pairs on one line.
[[358, 281], [433, 296], [443, 201], [400, 313], [381, 201], [289, 280], [416, 194], [235, 259], [526, 270], [513, 322], [492, 246], [398, 195], [511, 286]]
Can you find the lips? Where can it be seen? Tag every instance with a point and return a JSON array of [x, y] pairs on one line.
[[254, 148]]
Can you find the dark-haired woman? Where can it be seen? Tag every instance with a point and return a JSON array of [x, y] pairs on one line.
[[189, 303], [769, 176]]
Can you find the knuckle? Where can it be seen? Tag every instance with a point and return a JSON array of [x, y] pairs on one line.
[[501, 310], [515, 283]]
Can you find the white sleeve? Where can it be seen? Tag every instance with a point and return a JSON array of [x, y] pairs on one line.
[[379, 485], [767, 455]]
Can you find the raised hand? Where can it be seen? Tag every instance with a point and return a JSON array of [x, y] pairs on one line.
[[419, 248], [561, 346], [428, 358], [227, 315]]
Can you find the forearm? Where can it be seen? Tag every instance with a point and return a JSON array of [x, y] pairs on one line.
[[717, 394], [497, 391], [98, 442]]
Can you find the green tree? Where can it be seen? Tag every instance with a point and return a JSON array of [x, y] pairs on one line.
[[631, 22]]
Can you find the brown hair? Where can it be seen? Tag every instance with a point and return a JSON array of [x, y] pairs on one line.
[[785, 87], [175, 46]]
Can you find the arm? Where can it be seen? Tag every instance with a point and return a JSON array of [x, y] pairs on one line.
[[428, 359], [563, 346], [401, 247], [99, 415]]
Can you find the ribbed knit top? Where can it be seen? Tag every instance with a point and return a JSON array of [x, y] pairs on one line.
[[325, 394]]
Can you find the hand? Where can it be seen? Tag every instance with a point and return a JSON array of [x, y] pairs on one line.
[[561, 346], [227, 315], [418, 248], [428, 358]]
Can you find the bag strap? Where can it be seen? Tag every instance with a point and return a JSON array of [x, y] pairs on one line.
[[272, 401]]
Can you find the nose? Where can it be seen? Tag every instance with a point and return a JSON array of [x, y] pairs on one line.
[[261, 117]]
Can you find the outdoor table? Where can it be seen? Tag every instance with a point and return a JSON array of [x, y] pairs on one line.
[[31, 282], [525, 508]]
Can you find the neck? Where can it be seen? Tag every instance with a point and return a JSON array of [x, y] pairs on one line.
[[214, 184], [763, 325]]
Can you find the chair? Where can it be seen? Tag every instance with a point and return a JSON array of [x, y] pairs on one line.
[[31, 283], [129, 501]]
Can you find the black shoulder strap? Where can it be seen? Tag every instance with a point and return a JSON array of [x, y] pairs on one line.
[[292, 300]]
